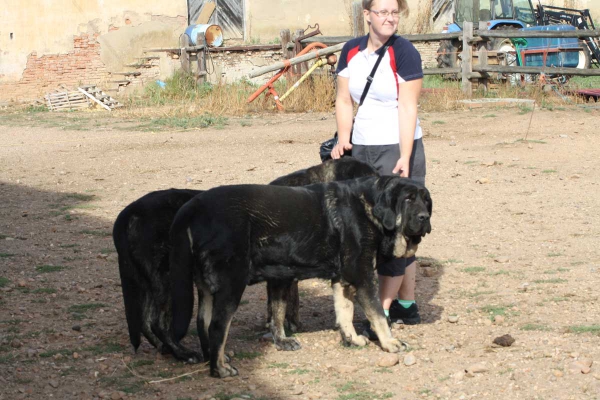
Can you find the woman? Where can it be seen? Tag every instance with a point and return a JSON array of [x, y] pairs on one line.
[[386, 132]]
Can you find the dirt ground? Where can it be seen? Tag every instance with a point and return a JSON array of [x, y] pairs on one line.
[[514, 250]]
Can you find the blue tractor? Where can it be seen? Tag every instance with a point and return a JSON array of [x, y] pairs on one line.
[[522, 15]]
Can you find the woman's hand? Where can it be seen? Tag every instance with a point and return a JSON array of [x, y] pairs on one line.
[[339, 149], [402, 167]]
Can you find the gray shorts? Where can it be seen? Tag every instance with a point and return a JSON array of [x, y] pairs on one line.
[[384, 158]]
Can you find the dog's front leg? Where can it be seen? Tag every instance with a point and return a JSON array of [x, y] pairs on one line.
[[279, 291], [343, 303], [369, 300]]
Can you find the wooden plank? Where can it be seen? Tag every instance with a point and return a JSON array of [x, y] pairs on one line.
[[94, 99], [206, 12], [305, 57], [184, 41], [467, 59]]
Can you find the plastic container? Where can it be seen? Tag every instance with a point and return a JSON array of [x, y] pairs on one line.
[[212, 33]]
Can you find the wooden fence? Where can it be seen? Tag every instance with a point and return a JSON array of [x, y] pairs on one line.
[[481, 72]]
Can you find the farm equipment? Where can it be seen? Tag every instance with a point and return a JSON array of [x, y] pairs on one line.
[[522, 15]]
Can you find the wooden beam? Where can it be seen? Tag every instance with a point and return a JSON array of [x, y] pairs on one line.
[[303, 58], [358, 20], [467, 59], [206, 13]]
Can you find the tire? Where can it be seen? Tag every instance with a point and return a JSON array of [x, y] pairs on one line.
[[448, 56], [585, 57], [506, 46]]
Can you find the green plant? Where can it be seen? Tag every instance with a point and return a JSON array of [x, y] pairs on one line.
[[247, 355], [595, 329], [535, 327], [473, 270], [49, 268], [4, 281], [80, 308]]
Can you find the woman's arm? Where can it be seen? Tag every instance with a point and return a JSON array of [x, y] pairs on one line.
[[408, 98], [343, 117]]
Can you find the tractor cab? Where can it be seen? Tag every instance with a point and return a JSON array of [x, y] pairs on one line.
[[513, 13]]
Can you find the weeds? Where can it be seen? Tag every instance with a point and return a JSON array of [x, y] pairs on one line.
[[535, 327], [473, 270], [247, 355], [4, 281], [44, 269], [595, 329]]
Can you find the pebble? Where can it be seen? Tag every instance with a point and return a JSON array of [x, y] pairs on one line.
[[388, 360], [410, 359], [22, 284], [76, 328], [502, 259], [498, 319], [477, 368], [16, 343], [345, 369], [583, 366], [557, 373], [487, 322], [452, 143], [427, 272], [76, 355], [483, 181], [453, 319], [53, 383], [458, 376]]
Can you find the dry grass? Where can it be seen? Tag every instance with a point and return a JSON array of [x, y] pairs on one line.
[[182, 97]]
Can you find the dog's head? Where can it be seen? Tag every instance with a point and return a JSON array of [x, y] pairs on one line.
[[403, 207]]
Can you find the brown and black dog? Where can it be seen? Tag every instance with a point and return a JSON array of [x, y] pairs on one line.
[[141, 237]]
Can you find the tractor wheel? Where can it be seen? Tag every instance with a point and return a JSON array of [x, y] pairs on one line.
[[585, 58], [506, 48], [448, 56]]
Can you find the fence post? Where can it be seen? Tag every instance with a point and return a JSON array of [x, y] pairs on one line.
[[483, 62], [467, 59], [358, 20], [201, 75], [285, 37], [184, 41]]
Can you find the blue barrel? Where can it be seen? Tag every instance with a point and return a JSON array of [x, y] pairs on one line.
[[213, 34]]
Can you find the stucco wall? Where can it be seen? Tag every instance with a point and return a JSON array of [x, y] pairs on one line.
[[46, 43], [267, 17]]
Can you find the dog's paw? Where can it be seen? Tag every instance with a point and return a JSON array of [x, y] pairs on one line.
[[394, 346], [355, 340], [287, 344], [224, 371]]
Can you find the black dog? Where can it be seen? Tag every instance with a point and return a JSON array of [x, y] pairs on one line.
[[232, 236], [141, 237]]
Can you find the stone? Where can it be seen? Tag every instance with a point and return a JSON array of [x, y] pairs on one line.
[[388, 360], [345, 369], [53, 383], [477, 368], [502, 259], [482, 181], [410, 359], [558, 373], [453, 319], [428, 271], [76, 328], [498, 319]]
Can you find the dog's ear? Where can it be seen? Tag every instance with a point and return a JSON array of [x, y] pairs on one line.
[[385, 209], [424, 193]]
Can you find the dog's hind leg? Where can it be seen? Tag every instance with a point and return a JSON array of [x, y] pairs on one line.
[[149, 316], [225, 303], [292, 310], [133, 308], [279, 291], [292, 317], [204, 318], [343, 296]]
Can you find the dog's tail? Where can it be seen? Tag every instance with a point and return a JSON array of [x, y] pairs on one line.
[[132, 295], [182, 275]]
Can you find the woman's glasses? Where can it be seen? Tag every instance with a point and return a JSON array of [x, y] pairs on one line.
[[386, 13]]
